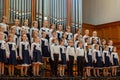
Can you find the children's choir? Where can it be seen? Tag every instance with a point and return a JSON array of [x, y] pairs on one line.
[[25, 46]]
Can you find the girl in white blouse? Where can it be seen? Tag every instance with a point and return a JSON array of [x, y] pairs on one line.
[[114, 61]]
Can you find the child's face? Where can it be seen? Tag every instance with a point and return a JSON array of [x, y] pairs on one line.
[[64, 35], [68, 29], [5, 20], [54, 34], [16, 22], [89, 46], [95, 42], [106, 48], [53, 26], [24, 37], [45, 23], [26, 23], [60, 27], [94, 33], [37, 40], [43, 34], [11, 38], [23, 32], [104, 42], [97, 47], [78, 31], [55, 41], [110, 43], [80, 45], [62, 43], [13, 30], [87, 32], [71, 43], [35, 25], [2, 29], [114, 49], [1, 36]]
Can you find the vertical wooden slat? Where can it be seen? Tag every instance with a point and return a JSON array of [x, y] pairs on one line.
[[33, 3], [68, 12], [6, 9]]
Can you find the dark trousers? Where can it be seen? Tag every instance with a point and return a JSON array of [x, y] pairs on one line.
[[80, 65], [55, 64], [70, 65]]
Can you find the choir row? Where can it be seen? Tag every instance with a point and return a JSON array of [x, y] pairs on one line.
[[25, 46]]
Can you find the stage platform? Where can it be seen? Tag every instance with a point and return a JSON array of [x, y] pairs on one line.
[[59, 78]]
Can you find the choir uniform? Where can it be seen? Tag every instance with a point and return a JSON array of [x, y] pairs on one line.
[[16, 40], [63, 55], [69, 35], [96, 38], [75, 35], [45, 30], [70, 52], [3, 52], [102, 48], [27, 31], [85, 38], [36, 54], [50, 32], [76, 44], [114, 59], [56, 57], [24, 53], [18, 30], [5, 27], [5, 36], [45, 47], [59, 34], [106, 58], [80, 53], [65, 42], [50, 40], [33, 29], [97, 58], [12, 49], [88, 58], [110, 49]]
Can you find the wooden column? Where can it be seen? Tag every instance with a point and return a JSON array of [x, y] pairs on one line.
[[68, 12], [6, 9], [33, 3]]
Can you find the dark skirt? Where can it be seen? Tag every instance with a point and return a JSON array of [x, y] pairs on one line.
[[115, 62], [12, 59], [45, 52], [26, 57], [107, 62], [98, 63], [89, 63], [3, 56], [37, 57]]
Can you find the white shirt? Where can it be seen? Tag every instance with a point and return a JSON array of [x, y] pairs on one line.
[[115, 55], [80, 52], [55, 49], [70, 51]]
